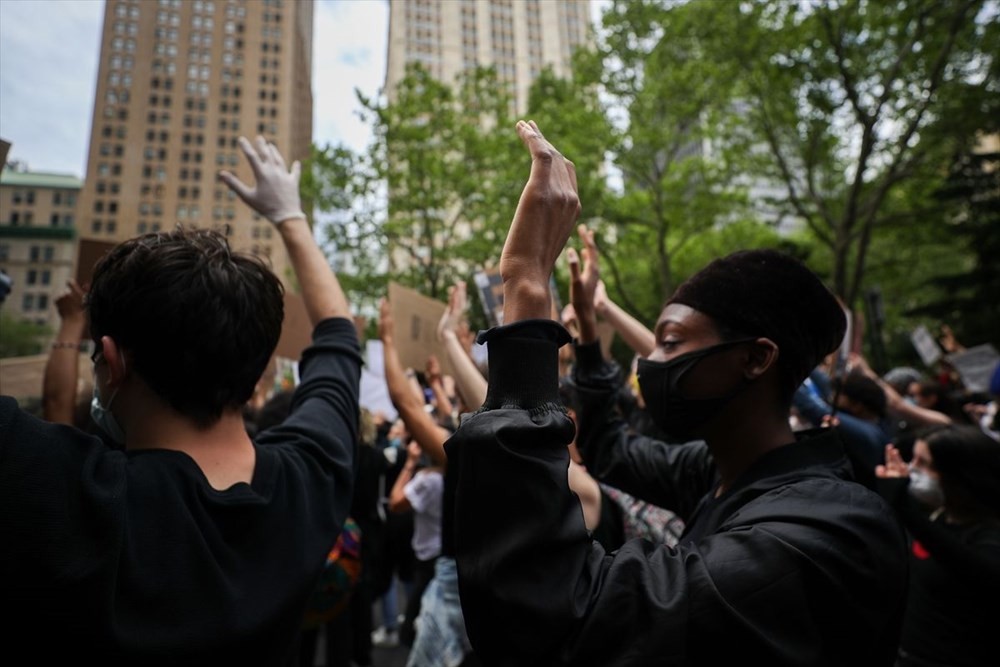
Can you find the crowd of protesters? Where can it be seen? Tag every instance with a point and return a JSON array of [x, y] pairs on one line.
[[743, 490]]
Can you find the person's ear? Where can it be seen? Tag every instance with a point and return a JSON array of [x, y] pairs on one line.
[[762, 354], [114, 356]]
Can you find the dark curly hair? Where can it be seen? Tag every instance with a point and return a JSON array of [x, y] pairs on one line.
[[199, 321]]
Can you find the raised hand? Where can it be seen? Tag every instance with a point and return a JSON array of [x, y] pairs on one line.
[[385, 322], [546, 212], [453, 317], [894, 465], [69, 304], [583, 284], [275, 194]]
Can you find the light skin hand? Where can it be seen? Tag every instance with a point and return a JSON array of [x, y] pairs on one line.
[[69, 304], [894, 466], [546, 213], [385, 323], [453, 316], [433, 368]]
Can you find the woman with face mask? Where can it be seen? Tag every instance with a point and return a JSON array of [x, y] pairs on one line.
[[948, 497]]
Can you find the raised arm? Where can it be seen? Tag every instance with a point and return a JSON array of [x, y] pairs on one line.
[[275, 195], [590, 300], [443, 407], [546, 212], [419, 424], [470, 382], [62, 366], [398, 501], [896, 405]]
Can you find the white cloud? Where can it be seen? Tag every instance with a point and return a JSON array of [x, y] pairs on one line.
[[349, 51], [48, 71]]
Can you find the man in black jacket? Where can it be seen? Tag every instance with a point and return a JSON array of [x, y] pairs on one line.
[[785, 559]]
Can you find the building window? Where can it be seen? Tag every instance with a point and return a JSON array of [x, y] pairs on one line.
[[46, 277], [28, 302], [31, 277], [48, 253], [43, 301]]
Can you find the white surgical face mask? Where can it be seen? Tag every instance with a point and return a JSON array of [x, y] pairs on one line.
[[103, 416], [926, 488]]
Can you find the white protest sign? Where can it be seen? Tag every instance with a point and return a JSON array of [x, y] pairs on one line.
[[975, 365], [927, 347]]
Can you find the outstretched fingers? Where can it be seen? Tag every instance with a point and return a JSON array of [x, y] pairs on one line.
[[236, 185]]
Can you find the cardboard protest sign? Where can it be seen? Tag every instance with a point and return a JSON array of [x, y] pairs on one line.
[[975, 365], [88, 252], [926, 346], [415, 319], [296, 329]]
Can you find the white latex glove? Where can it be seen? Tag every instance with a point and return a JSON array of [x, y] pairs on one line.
[[276, 193]]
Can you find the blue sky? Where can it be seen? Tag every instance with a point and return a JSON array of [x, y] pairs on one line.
[[48, 73]]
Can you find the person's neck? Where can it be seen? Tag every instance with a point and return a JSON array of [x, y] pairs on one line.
[[222, 450], [742, 436]]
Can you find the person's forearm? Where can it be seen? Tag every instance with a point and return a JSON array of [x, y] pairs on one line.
[[471, 383], [321, 290], [633, 332], [442, 403], [61, 373], [411, 407], [397, 497]]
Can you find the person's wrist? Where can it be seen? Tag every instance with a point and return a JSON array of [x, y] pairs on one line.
[[279, 219], [67, 345], [526, 298]]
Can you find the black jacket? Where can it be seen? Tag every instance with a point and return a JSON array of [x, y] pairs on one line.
[[795, 565]]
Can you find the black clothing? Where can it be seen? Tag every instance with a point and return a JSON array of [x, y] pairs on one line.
[[795, 564], [131, 557], [954, 582]]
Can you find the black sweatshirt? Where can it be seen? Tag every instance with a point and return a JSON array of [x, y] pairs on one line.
[[131, 557]]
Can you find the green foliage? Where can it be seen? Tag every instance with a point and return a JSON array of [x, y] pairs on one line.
[[851, 100], [20, 338], [698, 128]]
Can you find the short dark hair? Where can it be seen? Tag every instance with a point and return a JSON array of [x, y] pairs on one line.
[[199, 321], [769, 293]]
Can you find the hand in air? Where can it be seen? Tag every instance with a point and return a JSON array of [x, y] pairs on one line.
[[275, 194], [546, 212]]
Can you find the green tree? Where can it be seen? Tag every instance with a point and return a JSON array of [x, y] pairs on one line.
[[851, 100], [20, 338], [679, 180], [429, 200]]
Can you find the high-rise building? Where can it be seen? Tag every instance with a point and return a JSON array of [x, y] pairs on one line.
[[178, 83], [519, 37], [37, 242]]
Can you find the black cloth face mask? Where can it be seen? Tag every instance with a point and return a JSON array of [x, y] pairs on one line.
[[675, 414]]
